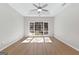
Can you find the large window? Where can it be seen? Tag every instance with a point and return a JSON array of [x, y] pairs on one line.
[[45, 28], [32, 28], [39, 28]]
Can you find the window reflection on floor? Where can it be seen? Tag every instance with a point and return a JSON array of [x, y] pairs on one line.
[[47, 39], [37, 40], [27, 40]]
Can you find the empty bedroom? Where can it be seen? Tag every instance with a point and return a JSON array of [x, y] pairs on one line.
[[39, 28]]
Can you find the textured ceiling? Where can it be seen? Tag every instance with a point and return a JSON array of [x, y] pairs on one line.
[[24, 8]]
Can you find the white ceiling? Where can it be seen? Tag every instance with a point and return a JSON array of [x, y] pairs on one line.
[[24, 8]]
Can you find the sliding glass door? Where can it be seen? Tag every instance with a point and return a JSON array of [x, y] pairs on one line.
[[39, 28]]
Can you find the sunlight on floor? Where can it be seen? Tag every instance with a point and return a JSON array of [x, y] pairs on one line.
[[37, 40], [47, 39], [27, 40]]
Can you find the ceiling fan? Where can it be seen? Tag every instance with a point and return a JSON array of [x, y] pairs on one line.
[[39, 9]]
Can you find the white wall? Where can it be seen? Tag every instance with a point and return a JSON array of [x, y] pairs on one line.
[[11, 25], [67, 25], [50, 21]]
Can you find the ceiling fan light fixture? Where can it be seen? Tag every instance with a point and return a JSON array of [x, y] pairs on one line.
[[39, 10]]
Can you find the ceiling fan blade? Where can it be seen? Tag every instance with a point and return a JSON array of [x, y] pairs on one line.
[[44, 10], [38, 12], [33, 11], [44, 5], [63, 4], [35, 5]]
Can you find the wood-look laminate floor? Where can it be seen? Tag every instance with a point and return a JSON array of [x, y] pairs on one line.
[[45, 46]]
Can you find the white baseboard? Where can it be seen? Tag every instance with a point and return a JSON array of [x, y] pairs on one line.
[[59, 38], [12, 42]]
